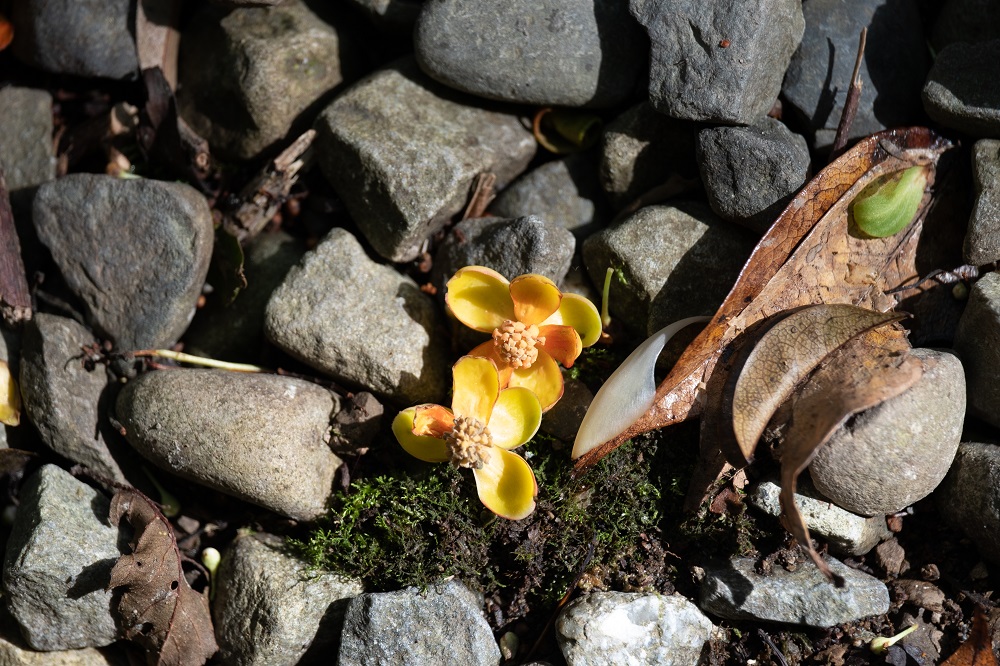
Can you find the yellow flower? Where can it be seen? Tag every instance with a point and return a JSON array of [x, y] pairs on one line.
[[533, 326], [479, 430]]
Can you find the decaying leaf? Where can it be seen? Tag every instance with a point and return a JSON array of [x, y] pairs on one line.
[[977, 650], [156, 36], [158, 609]]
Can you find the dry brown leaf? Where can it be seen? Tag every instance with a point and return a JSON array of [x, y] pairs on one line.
[[156, 36], [158, 609], [977, 650], [6, 32]]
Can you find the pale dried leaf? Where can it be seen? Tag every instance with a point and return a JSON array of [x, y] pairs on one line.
[[156, 36]]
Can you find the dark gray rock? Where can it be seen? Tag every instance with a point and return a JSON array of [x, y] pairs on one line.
[[977, 343], [966, 21], [563, 420], [892, 72], [982, 240], [969, 497], [135, 251], [519, 53], [82, 37], [271, 610], [960, 91], [15, 652], [59, 559], [442, 625], [261, 438], [357, 423], [751, 173], [718, 62], [402, 153], [27, 154]]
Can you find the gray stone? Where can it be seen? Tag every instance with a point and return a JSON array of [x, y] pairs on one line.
[[612, 628], [520, 52], [966, 21], [27, 153], [718, 62], [969, 497], [402, 153], [357, 423], [563, 420], [897, 453], [15, 652], [361, 322], [134, 251], [977, 343], [751, 173], [735, 591], [982, 240], [960, 91], [59, 559], [442, 625], [270, 609], [246, 78], [892, 71], [82, 37], [261, 438]]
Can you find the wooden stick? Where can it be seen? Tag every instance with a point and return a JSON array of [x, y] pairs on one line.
[[851, 103]]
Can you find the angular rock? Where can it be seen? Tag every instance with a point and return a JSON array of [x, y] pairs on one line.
[[718, 62], [361, 322], [15, 652], [59, 559], [892, 455], [960, 93], [966, 21], [134, 251], [270, 609], [969, 497], [609, 628], [563, 420], [442, 625], [402, 153], [27, 154], [735, 591], [518, 52], [977, 343], [261, 438], [982, 241], [751, 173]]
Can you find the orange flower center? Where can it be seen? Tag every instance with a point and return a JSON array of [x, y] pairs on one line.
[[469, 443], [516, 342]]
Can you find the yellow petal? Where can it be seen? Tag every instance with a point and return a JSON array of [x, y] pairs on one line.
[[479, 297], [475, 388], [515, 418], [543, 378], [535, 298], [581, 314], [489, 350], [428, 449], [561, 343], [507, 485], [432, 421], [10, 397]]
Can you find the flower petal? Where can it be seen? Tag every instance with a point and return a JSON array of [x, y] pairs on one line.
[[581, 314], [489, 350], [475, 388], [428, 449], [507, 485], [535, 298], [515, 418], [10, 397], [479, 297], [432, 421], [543, 378], [561, 343]]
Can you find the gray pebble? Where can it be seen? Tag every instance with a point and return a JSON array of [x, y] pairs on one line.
[[977, 343], [966, 21], [15, 652], [969, 497], [27, 153], [982, 241], [960, 91]]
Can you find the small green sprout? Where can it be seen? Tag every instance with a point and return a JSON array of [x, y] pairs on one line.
[[169, 504], [889, 203], [210, 557], [880, 644], [605, 316]]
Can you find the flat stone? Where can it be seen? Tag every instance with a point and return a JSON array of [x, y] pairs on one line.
[[969, 498], [982, 241], [402, 152], [977, 342], [735, 591], [27, 154], [960, 91], [134, 251], [718, 62], [966, 21], [261, 438], [361, 322]]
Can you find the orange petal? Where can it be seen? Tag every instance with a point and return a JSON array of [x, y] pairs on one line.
[[578, 312], [479, 297], [428, 449], [543, 378], [432, 421], [475, 388], [506, 485], [561, 343], [489, 350], [535, 298], [515, 418]]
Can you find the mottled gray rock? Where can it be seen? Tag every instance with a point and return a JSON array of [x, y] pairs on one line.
[[718, 62], [15, 652], [736, 591], [246, 77], [977, 343], [521, 52], [892, 455], [261, 438], [361, 322], [751, 173], [59, 559], [442, 625], [270, 609], [357, 423], [612, 628], [678, 261], [960, 91], [402, 153], [563, 420], [391, 15], [969, 497], [892, 72], [134, 251], [82, 37], [27, 154], [982, 240], [966, 21]]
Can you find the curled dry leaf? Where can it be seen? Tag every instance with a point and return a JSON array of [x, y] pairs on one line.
[[977, 650]]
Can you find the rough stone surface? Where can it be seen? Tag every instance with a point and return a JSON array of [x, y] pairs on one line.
[[443, 625], [27, 154], [613, 628], [960, 91], [736, 591], [693, 76], [261, 438], [246, 77], [751, 173], [910, 439], [969, 497], [966, 21], [272, 611], [982, 241], [519, 52], [563, 420], [361, 322], [59, 559], [402, 153], [134, 251], [15, 652], [977, 343]]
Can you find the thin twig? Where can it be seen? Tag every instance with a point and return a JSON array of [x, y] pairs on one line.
[[15, 300], [774, 648], [851, 103]]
